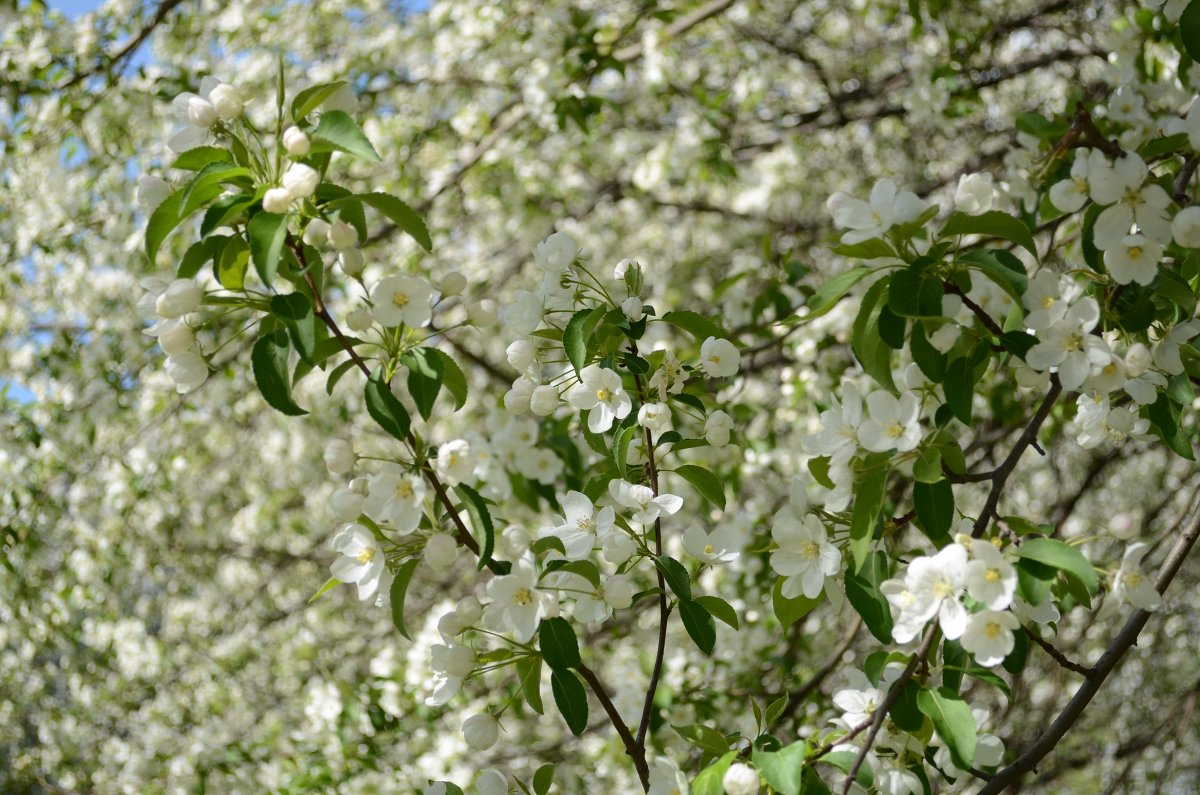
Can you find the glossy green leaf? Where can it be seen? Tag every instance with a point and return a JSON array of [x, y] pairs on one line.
[[425, 375], [676, 576], [529, 673], [934, 503], [481, 522], [832, 292], [695, 324], [719, 609], [338, 132], [699, 624], [404, 217], [575, 339], [953, 722], [267, 233], [868, 503], [558, 644], [783, 769], [399, 591], [991, 224], [306, 101], [865, 596], [571, 699], [453, 379], [385, 408], [705, 482], [296, 311], [269, 361], [543, 779], [1056, 554], [711, 780], [198, 157], [868, 346], [789, 611]]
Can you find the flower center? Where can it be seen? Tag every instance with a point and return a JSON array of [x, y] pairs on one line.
[[603, 395], [522, 597], [893, 431], [367, 555], [993, 575], [586, 523], [1049, 301], [400, 299], [942, 589], [809, 552], [1134, 252], [993, 629], [708, 549], [1073, 342]]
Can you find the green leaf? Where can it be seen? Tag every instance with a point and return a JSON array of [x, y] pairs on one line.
[[571, 699], [453, 379], [198, 157], [959, 386], [337, 132], [1002, 267], [557, 641], [867, 249], [699, 624], [953, 722], [337, 374], [297, 313], [529, 673], [231, 268], [862, 589], [399, 591], [405, 218], [695, 324], [912, 294], [266, 233], [783, 769], [935, 509], [307, 100], [844, 761], [385, 408], [904, 712], [676, 576], [425, 374], [868, 346], [199, 253], [584, 568], [162, 221], [1189, 29], [719, 608], [832, 291], [711, 780], [206, 186], [704, 737], [1162, 415], [329, 585], [575, 339], [991, 224], [543, 779], [705, 482], [269, 361], [868, 502], [1058, 555], [481, 522], [928, 468], [789, 611]]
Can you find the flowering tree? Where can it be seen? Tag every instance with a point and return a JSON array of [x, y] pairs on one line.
[[766, 397]]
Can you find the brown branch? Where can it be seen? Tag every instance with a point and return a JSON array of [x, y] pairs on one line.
[[108, 62], [893, 694], [1057, 655], [635, 749], [991, 325], [1186, 172], [1124, 640], [678, 27]]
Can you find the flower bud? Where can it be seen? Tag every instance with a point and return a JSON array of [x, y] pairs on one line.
[[360, 320], [316, 233], [740, 780], [187, 370], [301, 180], [513, 541], [181, 297], [277, 200], [1122, 525], [176, 340], [516, 400], [201, 113], [468, 610], [345, 505], [544, 400], [618, 548], [655, 417], [717, 428], [481, 732], [342, 235], [339, 456], [441, 551], [295, 142], [1185, 227], [631, 307], [491, 782], [1137, 360], [521, 354], [453, 283], [227, 101], [352, 261]]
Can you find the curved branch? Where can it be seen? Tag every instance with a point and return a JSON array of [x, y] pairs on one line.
[[131, 46], [1125, 639]]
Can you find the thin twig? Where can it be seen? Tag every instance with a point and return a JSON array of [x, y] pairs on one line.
[[108, 62], [635, 750], [1057, 655]]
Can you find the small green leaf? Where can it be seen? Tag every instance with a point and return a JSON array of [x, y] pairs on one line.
[[425, 374], [832, 291], [575, 339], [953, 722], [405, 218], [199, 253], [571, 699], [676, 576], [453, 379], [400, 591], [844, 761], [269, 361], [705, 482], [868, 346], [704, 737], [162, 221], [935, 509], [329, 585], [783, 769], [337, 132], [699, 625], [296, 311], [1002, 267], [789, 611], [231, 267], [991, 224], [529, 673], [711, 780], [959, 386], [1058, 555], [719, 608], [481, 522], [557, 641], [868, 502], [307, 100], [385, 408], [1189, 29], [266, 233], [337, 374], [863, 591], [198, 157], [695, 324], [543, 779]]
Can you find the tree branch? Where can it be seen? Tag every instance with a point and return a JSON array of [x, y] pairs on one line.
[[108, 62], [635, 749]]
